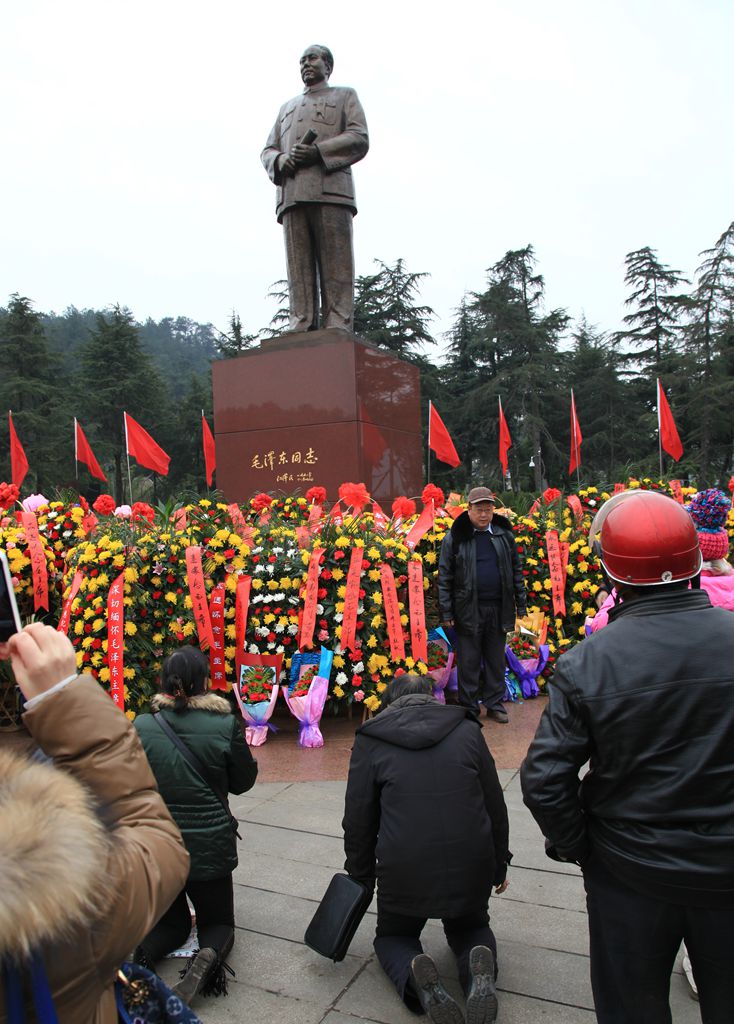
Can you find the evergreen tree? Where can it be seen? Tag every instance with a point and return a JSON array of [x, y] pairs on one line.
[[710, 351], [235, 342], [32, 385], [386, 311], [118, 375], [653, 326]]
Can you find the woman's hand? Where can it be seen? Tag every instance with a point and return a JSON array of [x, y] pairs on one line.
[[41, 657]]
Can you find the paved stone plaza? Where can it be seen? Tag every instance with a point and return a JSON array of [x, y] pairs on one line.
[[291, 847]]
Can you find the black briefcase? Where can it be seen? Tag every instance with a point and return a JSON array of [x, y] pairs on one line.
[[337, 917]]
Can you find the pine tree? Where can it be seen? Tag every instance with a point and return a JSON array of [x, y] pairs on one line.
[[386, 311], [117, 375], [32, 385], [653, 327], [235, 342]]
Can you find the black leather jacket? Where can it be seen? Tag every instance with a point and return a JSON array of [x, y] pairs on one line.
[[649, 702], [457, 575]]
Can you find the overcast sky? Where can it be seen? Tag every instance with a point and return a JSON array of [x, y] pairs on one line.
[[132, 132]]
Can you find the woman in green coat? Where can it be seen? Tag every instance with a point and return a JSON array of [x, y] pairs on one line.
[[204, 722]]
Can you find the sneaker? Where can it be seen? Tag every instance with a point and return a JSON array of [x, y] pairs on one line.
[[498, 715], [195, 977], [481, 1003], [435, 1000]]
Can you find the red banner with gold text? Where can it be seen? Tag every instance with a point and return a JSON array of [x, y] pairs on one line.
[[677, 491], [351, 600], [241, 610], [217, 672], [63, 626], [574, 503], [418, 638], [197, 590], [392, 613], [557, 574], [116, 640], [38, 560], [311, 599]]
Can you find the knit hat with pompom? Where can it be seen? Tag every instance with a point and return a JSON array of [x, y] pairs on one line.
[[709, 510]]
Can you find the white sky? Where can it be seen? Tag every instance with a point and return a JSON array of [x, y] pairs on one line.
[[132, 131]]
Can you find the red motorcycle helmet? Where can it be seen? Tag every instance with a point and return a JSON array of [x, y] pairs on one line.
[[649, 539]]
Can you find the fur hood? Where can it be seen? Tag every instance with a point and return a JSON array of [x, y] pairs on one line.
[[53, 855], [462, 529], [203, 702]]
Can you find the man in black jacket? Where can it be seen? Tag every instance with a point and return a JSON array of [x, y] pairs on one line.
[[480, 591], [648, 702], [425, 815]]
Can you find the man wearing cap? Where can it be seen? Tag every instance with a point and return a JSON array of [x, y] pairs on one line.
[[480, 592]]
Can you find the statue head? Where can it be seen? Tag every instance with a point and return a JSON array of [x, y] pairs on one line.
[[317, 63]]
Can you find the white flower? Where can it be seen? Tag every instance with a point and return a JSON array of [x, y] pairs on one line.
[[278, 628], [270, 569], [259, 568], [279, 649], [254, 649], [277, 551], [66, 533], [338, 617], [292, 630], [262, 630], [359, 667], [278, 597], [341, 678], [319, 609]]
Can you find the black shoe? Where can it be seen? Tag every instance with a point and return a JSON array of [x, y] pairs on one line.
[[197, 972], [498, 715], [435, 1000], [481, 1003]]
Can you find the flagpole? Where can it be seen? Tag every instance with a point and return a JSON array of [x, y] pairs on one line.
[[660, 438], [428, 450], [76, 453], [576, 451], [127, 453]]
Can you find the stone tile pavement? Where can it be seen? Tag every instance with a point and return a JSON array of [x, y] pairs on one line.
[[291, 847]]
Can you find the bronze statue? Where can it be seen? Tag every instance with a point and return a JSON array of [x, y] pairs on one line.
[[315, 140]]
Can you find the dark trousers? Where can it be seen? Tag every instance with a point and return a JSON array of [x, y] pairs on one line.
[[634, 943], [213, 902], [397, 942], [481, 660]]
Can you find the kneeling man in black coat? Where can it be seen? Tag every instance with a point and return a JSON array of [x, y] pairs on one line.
[[425, 818]]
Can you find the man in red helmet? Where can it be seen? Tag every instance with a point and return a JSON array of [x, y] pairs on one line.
[[649, 703]]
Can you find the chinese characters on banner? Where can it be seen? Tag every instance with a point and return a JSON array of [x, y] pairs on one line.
[[241, 610], [677, 491], [197, 589], [418, 637], [240, 526], [116, 640], [63, 626], [351, 600], [288, 466], [38, 560], [557, 572], [392, 613], [311, 599], [180, 521], [575, 505], [217, 672]]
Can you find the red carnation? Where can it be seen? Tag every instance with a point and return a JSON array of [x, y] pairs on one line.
[[142, 510], [434, 494], [261, 501], [9, 494], [316, 495], [403, 507], [355, 495], [550, 495], [105, 505]]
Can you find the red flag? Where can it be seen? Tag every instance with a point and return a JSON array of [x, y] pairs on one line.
[[210, 451], [505, 440], [18, 461], [439, 438], [669, 439], [83, 452], [421, 526], [143, 448], [575, 460]]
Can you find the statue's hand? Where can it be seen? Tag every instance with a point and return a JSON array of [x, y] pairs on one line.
[[303, 155]]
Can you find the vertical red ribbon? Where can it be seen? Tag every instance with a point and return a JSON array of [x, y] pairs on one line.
[[392, 613], [421, 526], [197, 590], [677, 491], [241, 609], [351, 600], [180, 521], [311, 599], [217, 673], [557, 575], [418, 637], [116, 640], [379, 517], [38, 560], [575, 505], [63, 626]]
